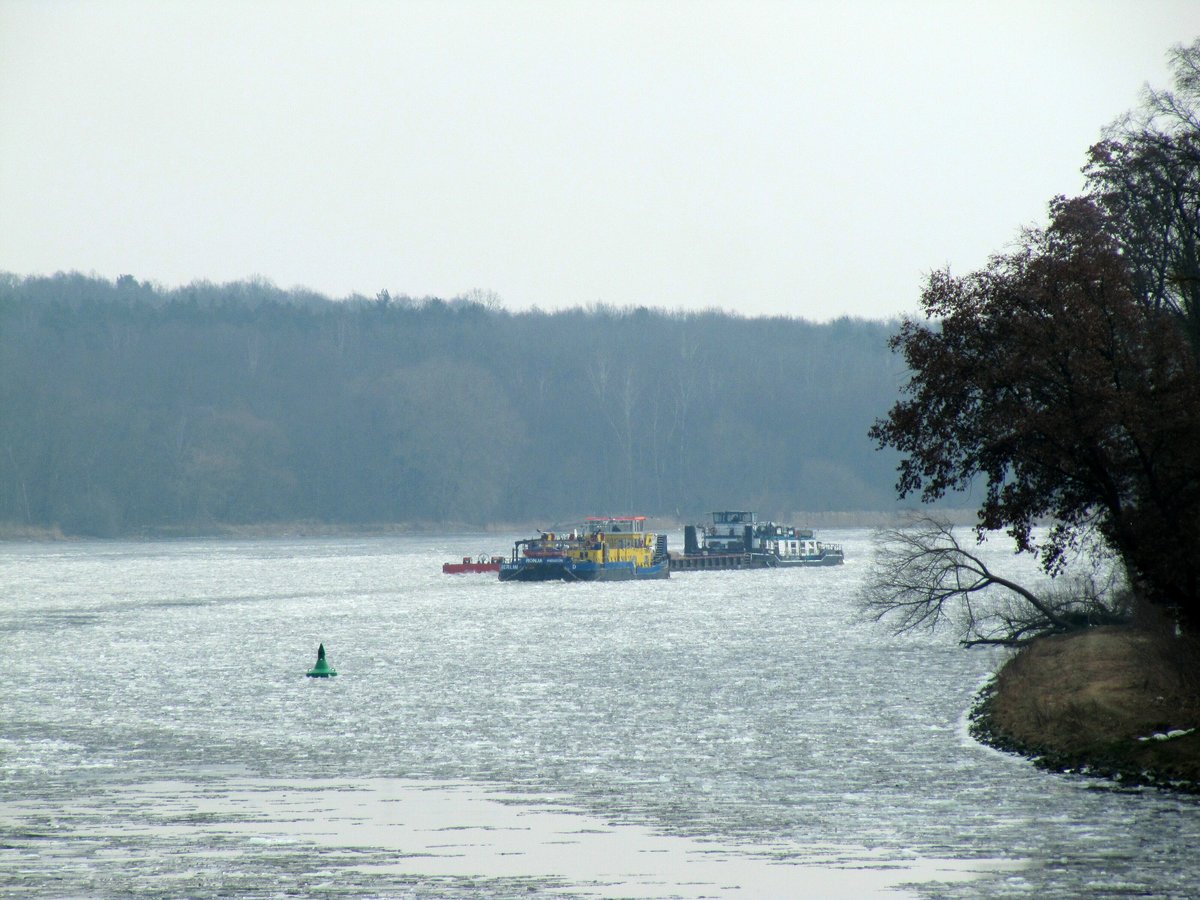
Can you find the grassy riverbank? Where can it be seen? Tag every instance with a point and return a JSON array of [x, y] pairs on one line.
[[1120, 702]]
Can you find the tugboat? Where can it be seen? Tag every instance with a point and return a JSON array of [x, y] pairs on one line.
[[470, 566], [608, 548], [737, 540]]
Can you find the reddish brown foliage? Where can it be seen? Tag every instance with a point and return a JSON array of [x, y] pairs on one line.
[[1048, 377]]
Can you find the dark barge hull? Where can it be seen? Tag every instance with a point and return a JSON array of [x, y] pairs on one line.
[[542, 570], [717, 562], [619, 572], [556, 570]]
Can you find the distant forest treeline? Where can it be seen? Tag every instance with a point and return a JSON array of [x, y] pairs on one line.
[[128, 408]]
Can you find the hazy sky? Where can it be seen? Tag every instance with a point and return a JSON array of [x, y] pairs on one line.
[[803, 158]]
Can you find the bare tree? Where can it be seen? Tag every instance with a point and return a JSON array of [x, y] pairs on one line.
[[922, 577]]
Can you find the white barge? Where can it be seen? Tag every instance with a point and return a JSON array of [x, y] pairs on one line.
[[737, 540]]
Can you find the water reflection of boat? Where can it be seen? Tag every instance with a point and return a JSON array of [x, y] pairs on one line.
[[737, 540], [612, 548], [470, 566]]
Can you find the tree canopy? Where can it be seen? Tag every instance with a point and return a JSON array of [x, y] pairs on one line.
[[130, 408], [1145, 175], [1064, 376]]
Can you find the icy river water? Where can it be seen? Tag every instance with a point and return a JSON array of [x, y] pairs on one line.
[[741, 734]]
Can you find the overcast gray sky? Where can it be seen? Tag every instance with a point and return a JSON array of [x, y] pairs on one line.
[[811, 159]]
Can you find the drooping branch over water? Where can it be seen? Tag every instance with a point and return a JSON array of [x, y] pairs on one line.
[[922, 577]]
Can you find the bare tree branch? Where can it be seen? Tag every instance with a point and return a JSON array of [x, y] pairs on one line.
[[922, 577]]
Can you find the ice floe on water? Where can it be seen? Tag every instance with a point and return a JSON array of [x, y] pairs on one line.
[[422, 836]]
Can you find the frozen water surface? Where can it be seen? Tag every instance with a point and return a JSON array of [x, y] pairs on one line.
[[739, 734]]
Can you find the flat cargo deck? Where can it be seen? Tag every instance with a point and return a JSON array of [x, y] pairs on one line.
[[713, 561]]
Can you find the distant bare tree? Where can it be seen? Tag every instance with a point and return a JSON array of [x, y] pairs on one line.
[[922, 577], [1146, 175], [486, 298]]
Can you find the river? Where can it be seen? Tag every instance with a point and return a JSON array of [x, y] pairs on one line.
[[716, 734]]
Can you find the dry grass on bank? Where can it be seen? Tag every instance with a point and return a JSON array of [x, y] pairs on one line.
[[1082, 701]]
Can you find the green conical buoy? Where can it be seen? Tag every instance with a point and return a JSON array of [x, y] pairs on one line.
[[322, 669]]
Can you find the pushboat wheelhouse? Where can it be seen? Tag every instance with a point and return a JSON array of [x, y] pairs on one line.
[[607, 548]]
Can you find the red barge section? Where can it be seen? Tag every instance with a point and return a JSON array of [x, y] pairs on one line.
[[470, 566]]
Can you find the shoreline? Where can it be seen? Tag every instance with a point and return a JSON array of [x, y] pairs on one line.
[[13, 533], [1109, 703]]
